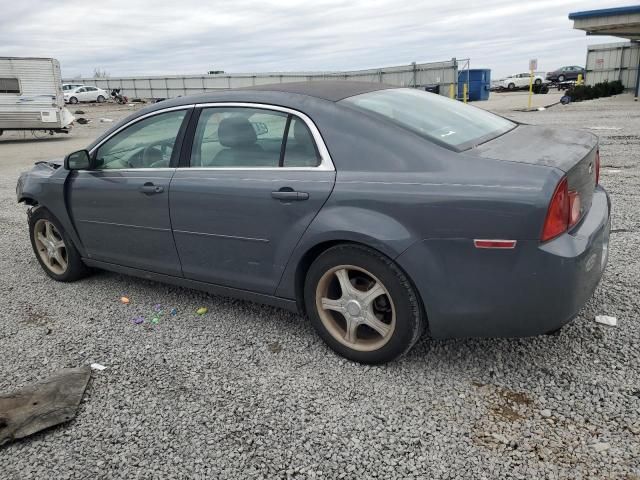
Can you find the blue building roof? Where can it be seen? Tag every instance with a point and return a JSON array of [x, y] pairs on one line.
[[605, 12]]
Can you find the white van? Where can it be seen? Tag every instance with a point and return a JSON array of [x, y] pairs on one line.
[[31, 95]]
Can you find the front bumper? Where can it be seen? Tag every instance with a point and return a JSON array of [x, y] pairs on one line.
[[532, 289]]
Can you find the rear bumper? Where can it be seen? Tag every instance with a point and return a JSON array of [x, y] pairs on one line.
[[532, 289]]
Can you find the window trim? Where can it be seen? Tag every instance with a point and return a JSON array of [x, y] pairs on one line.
[[325, 164]]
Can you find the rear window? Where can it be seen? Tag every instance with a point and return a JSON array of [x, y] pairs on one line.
[[9, 85], [444, 121]]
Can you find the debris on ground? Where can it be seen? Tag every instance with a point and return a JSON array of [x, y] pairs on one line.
[[106, 120], [174, 312], [97, 366], [275, 347], [202, 310], [125, 300], [138, 320], [607, 320], [82, 121], [43, 405], [79, 112]]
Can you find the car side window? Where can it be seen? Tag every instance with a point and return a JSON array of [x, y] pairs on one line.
[[148, 143], [300, 150], [233, 137], [92, 89]]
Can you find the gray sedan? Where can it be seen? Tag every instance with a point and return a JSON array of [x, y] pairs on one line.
[[376, 211]]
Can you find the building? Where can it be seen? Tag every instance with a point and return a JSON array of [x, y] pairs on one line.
[[612, 61]]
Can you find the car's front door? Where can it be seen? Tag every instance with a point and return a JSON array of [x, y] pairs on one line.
[[254, 180], [120, 208], [80, 94]]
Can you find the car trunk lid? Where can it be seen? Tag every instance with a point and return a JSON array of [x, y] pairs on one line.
[[572, 151]]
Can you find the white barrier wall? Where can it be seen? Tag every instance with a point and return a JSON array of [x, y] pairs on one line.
[[613, 61], [443, 74]]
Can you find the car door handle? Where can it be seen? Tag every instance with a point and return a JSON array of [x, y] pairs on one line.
[[290, 195], [149, 188]]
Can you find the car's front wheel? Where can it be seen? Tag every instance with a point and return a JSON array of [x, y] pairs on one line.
[[54, 249], [561, 78], [538, 81], [362, 305], [511, 86], [73, 100]]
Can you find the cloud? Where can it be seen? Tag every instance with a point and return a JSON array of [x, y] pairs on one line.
[[147, 37]]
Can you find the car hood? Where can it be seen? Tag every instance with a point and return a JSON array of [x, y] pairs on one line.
[[551, 147]]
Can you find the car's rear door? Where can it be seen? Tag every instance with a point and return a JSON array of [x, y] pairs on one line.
[[120, 208], [254, 179]]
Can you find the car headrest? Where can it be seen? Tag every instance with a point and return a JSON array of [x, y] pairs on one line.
[[236, 132]]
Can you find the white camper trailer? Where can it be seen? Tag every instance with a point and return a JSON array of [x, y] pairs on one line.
[[31, 95]]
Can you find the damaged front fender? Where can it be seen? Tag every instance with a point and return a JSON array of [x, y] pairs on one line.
[[44, 187]]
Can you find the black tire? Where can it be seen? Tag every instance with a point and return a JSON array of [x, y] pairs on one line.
[[511, 86], [538, 81], [408, 323], [75, 268], [73, 100], [100, 99], [561, 78]]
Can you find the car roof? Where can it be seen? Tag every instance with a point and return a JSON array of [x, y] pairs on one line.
[[331, 90]]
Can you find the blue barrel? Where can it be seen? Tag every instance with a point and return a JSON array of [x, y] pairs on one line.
[[479, 83]]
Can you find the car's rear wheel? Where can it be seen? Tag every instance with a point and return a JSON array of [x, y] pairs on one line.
[[73, 100], [511, 86], [362, 305], [100, 99], [54, 250]]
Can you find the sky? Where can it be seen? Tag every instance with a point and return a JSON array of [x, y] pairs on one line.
[[149, 37]]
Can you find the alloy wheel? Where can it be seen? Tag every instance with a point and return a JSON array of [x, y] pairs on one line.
[[51, 247], [355, 308]]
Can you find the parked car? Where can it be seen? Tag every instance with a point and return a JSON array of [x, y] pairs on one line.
[[520, 80], [71, 86], [86, 93], [564, 74], [376, 211]]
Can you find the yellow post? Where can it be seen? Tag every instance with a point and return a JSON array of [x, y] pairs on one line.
[[579, 81], [465, 89], [530, 86], [451, 95]]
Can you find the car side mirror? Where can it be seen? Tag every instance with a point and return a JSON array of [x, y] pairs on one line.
[[79, 160]]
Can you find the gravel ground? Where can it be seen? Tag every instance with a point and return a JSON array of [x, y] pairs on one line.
[[248, 391]]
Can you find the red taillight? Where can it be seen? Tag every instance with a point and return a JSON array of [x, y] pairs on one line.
[[557, 220], [597, 166], [563, 212]]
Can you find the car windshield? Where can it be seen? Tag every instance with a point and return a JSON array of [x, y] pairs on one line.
[[447, 122]]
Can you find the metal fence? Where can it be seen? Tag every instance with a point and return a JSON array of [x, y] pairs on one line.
[[419, 75], [614, 61]]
